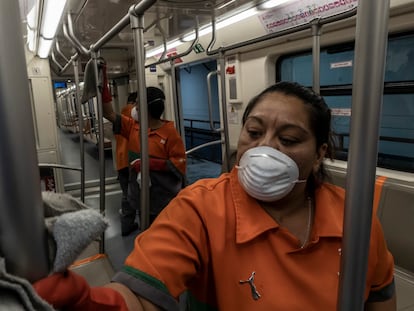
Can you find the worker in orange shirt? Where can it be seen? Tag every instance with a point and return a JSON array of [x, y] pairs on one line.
[[122, 162]]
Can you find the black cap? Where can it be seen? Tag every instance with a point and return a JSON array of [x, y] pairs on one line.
[[132, 97], [154, 94]]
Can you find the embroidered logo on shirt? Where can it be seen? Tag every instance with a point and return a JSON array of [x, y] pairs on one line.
[[250, 281], [162, 141]]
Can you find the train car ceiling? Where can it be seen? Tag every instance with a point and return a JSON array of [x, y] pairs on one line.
[[165, 20], [93, 18]]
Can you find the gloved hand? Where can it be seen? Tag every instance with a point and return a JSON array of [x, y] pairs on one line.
[[106, 94], [158, 164], [70, 291], [136, 165], [154, 165], [71, 227]]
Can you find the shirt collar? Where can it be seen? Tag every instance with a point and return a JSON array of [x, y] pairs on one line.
[[329, 211], [252, 220], [164, 131]]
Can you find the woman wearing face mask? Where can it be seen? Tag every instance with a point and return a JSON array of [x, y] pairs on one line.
[[267, 235], [166, 151]]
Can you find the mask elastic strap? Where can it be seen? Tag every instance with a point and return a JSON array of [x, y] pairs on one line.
[[299, 181]]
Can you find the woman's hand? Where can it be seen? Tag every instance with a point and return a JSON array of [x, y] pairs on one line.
[[70, 291]]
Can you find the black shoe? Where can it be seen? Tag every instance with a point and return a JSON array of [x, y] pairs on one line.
[[130, 230]]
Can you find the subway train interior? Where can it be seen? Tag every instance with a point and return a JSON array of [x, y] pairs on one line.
[[210, 58]]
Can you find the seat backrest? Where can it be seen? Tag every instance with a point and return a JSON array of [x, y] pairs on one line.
[[394, 202], [396, 213]]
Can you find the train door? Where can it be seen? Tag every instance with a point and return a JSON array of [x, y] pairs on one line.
[[199, 93]]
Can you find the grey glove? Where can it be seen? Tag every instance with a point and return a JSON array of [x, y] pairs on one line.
[[72, 226]]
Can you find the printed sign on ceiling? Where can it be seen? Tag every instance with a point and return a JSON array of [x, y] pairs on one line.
[[302, 12]]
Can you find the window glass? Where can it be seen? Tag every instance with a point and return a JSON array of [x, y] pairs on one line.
[[297, 68], [397, 125], [336, 67], [396, 141], [400, 59], [341, 118]]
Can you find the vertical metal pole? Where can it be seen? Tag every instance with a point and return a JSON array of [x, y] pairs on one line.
[[226, 144], [100, 146], [137, 26], [81, 127], [178, 111], [210, 100], [23, 241], [316, 56], [368, 84]]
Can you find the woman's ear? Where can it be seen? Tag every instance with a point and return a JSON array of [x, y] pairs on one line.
[[320, 155]]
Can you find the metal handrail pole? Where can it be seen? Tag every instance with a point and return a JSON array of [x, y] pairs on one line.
[[57, 46], [137, 9], [55, 61], [277, 34], [164, 39], [23, 240], [316, 56], [81, 127], [178, 110], [73, 58], [117, 28], [367, 95], [62, 166], [213, 37], [70, 39], [137, 26], [101, 150], [80, 48], [209, 101], [225, 127], [162, 60], [210, 143]]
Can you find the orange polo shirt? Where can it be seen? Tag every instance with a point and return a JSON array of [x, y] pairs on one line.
[[213, 235], [163, 143]]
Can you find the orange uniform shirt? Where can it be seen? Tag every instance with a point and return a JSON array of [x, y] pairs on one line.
[[163, 143], [122, 143], [213, 235]]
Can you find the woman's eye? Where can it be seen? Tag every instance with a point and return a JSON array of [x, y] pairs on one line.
[[288, 141], [254, 134]]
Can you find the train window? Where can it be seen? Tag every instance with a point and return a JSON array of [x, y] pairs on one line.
[[335, 68], [297, 68], [396, 143], [400, 59]]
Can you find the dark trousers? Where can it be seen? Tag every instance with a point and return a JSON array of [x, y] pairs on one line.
[[164, 187], [123, 177], [127, 213]]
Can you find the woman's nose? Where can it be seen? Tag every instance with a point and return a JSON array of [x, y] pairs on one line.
[[270, 142]]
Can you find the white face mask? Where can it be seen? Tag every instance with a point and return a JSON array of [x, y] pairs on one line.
[[267, 174], [134, 114]]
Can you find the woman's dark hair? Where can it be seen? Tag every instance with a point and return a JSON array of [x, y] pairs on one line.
[[155, 102], [319, 117]]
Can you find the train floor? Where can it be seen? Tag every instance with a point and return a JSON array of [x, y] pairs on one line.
[[115, 246]]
